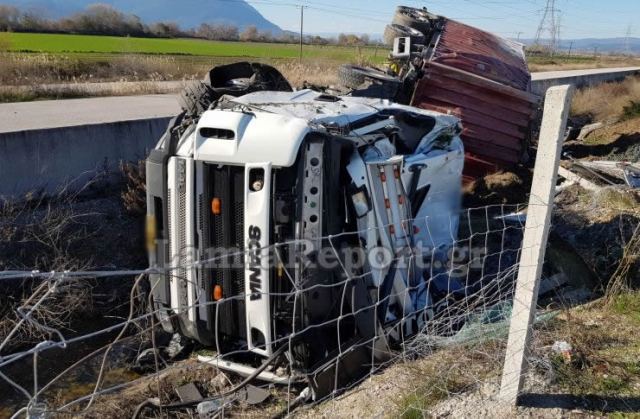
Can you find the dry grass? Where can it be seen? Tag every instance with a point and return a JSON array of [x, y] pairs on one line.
[[26, 77], [622, 278], [39, 69], [322, 73], [36, 69], [607, 101], [79, 90], [580, 62]]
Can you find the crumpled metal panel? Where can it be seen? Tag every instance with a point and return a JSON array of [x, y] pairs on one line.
[[482, 53], [495, 123], [484, 80]]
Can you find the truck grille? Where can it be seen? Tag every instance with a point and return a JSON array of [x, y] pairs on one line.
[[227, 232]]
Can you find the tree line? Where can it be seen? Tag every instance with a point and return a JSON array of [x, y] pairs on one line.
[[104, 19]]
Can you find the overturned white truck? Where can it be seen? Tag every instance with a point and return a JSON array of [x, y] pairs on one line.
[[287, 225]]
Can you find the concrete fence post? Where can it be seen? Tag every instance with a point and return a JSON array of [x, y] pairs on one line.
[[554, 122]]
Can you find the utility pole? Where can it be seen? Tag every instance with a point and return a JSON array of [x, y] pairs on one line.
[[549, 26], [627, 41], [518, 35], [301, 30], [558, 27], [553, 31], [541, 25], [570, 48]]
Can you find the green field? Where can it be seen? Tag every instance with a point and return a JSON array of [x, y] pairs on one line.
[[61, 44]]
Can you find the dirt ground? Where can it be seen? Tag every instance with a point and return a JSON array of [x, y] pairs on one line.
[[600, 378], [615, 141]]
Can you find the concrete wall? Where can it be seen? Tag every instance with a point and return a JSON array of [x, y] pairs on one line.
[[48, 158], [541, 83]]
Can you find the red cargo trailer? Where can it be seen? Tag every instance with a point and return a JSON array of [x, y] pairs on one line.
[[475, 75]]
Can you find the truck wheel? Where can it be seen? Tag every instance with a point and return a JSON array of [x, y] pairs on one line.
[[196, 98], [411, 17], [350, 76], [393, 31], [353, 76]]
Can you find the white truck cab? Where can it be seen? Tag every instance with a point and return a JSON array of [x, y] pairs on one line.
[[280, 214]]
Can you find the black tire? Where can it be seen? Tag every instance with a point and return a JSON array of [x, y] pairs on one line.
[[255, 77], [393, 31], [350, 77], [353, 76], [383, 85], [411, 17], [196, 98], [236, 79]]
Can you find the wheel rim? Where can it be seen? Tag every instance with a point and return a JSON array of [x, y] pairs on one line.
[[407, 31]]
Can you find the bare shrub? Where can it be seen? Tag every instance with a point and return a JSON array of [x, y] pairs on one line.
[[217, 32], [103, 19], [67, 300], [622, 277], [353, 40], [134, 195], [165, 30], [42, 233], [9, 17], [249, 34]]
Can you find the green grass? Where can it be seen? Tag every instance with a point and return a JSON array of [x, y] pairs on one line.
[[605, 355], [415, 405], [632, 110], [61, 43], [628, 305]]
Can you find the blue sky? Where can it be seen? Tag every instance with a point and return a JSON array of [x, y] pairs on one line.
[[579, 18]]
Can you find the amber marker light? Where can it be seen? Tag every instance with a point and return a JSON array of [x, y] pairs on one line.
[[216, 206], [217, 293], [151, 233]]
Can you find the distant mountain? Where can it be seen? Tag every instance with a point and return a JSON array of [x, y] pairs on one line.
[[600, 45], [187, 13]]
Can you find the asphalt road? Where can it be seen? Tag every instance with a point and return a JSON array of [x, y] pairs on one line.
[[23, 116], [72, 112]]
